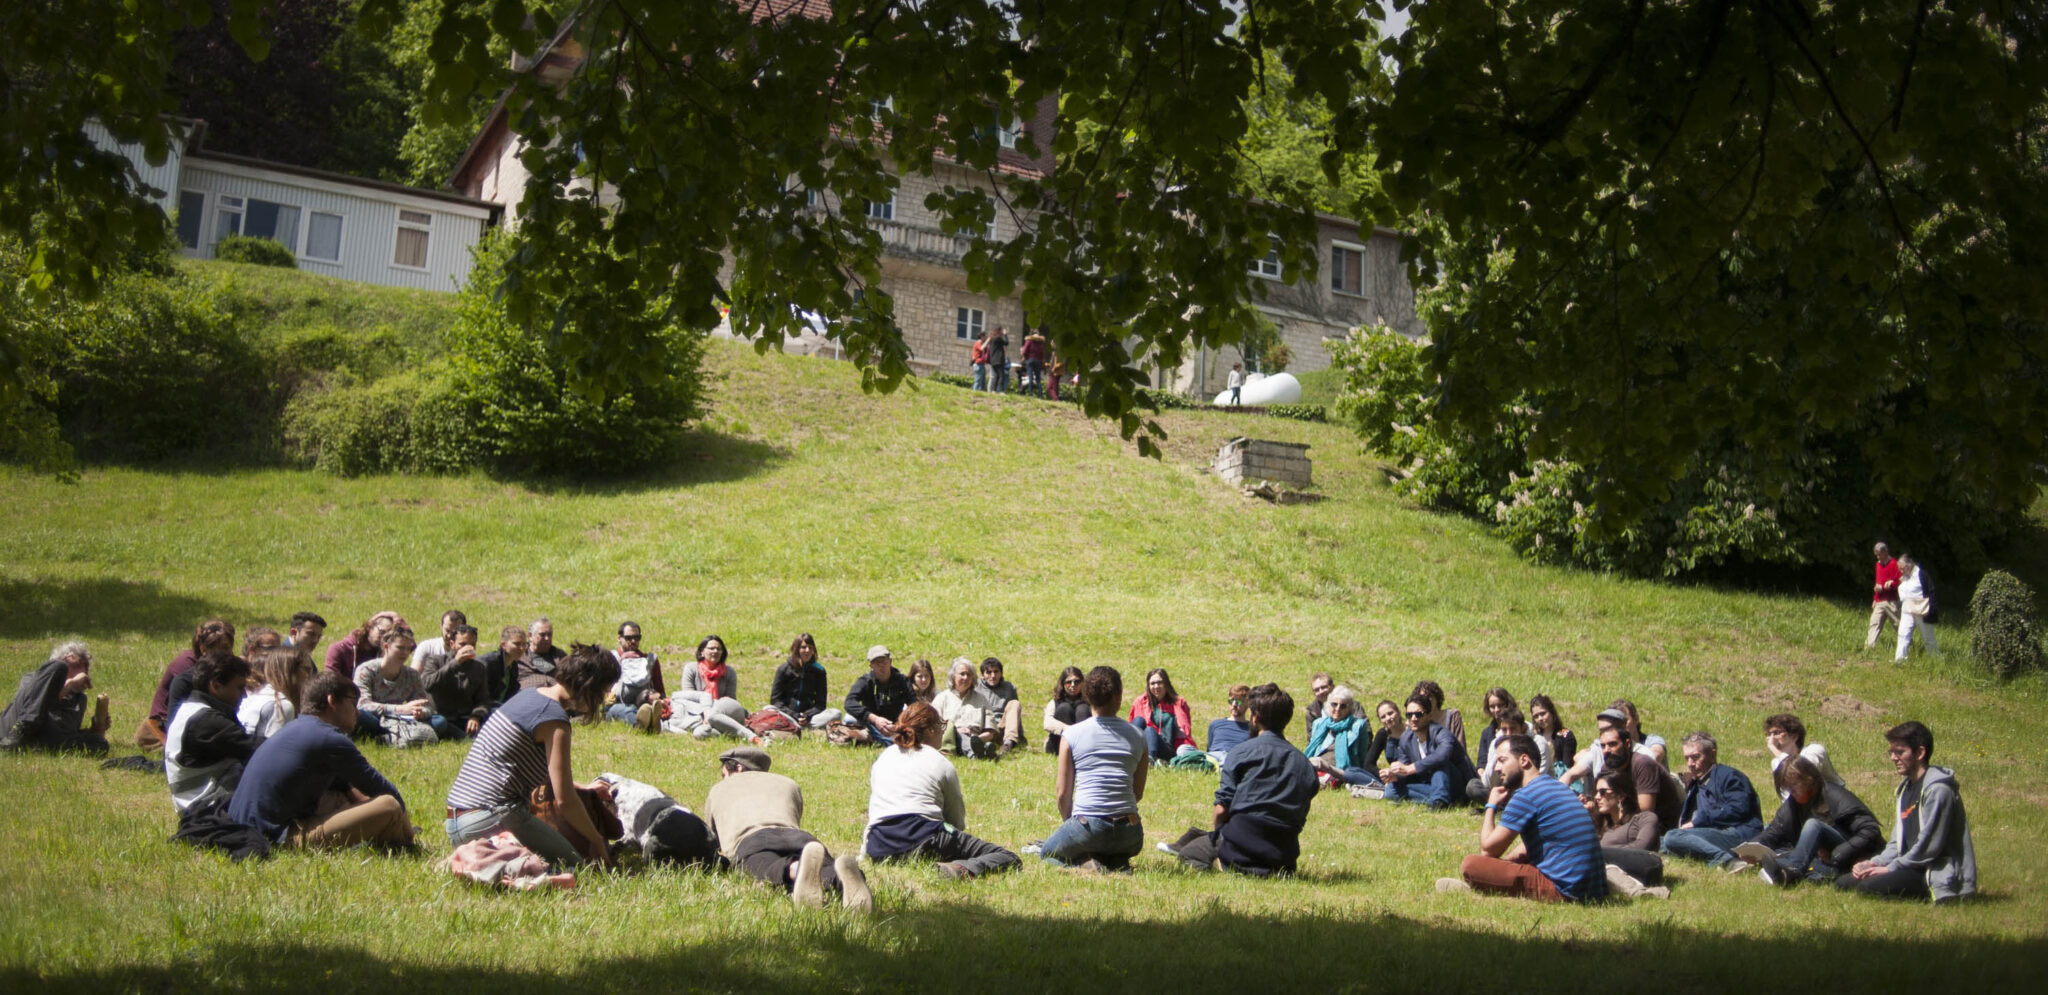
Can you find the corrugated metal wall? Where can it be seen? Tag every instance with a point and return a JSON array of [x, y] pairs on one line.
[[369, 228], [164, 177]]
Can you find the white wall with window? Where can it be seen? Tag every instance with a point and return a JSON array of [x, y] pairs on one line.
[[335, 225]]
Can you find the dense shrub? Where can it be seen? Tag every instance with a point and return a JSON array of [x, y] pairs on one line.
[[1298, 412], [2003, 636], [260, 251], [407, 422], [951, 379]]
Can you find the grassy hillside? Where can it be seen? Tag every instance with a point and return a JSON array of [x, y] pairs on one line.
[[942, 523]]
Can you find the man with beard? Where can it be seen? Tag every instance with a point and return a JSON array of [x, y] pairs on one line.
[[1559, 857]]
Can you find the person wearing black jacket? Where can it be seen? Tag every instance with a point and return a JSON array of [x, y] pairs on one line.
[[205, 746], [1262, 799], [800, 689], [459, 683], [501, 665], [49, 706], [878, 696], [1821, 829]]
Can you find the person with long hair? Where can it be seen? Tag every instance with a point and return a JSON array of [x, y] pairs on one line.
[[924, 684], [210, 636], [707, 703], [915, 807], [1821, 830], [265, 710], [1066, 707], [1499, 702], [525, 745], [801, 689], [1628, 836], [1162, 716], [344, 655], [1546, 721]]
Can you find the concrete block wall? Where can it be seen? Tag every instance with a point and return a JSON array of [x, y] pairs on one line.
[[1243, 459]]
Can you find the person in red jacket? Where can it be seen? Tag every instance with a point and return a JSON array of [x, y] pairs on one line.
[[1884, 595]]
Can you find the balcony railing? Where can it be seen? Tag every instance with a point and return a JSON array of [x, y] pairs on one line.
[[921, 243]]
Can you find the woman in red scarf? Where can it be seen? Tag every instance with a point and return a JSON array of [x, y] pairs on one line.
[[707, 704]]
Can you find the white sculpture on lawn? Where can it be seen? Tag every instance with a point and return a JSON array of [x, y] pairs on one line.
[[1259, 388]]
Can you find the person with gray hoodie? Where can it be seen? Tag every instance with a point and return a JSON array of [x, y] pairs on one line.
[[1930, 855]]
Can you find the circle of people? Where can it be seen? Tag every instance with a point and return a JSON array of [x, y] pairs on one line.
[[259, 750]]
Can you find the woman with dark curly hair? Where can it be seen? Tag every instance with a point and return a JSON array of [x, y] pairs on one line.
[[1162, 715], [1066, 707]]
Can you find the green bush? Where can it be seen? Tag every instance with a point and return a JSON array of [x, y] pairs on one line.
[[2002, 631], [407, 422], [951, 379], [1298, 412], [528, 411], [260, 251]]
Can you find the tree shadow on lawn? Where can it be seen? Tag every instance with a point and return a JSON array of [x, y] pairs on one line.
[[98, 607], [702, 457], [969, 948]]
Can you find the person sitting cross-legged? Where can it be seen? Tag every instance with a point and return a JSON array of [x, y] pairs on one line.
[[1821, 829], [757, 817], [1262, 798], [973, 716], [1721, 810], [915, 806], [1628, 836], [48, 710], [1931, 854], [801, 689], [1100, 782], [1559, 856], [309, 786], [1432, 765], [876, 699], [459, 684]]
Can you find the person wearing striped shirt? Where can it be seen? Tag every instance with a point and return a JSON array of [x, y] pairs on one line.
[[1559, 857], [524, 745]]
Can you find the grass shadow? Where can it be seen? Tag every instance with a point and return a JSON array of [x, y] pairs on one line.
[[99, 605], [702, 457], [965, 947]]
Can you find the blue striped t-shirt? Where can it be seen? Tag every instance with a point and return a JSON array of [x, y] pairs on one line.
[[1560, 836]]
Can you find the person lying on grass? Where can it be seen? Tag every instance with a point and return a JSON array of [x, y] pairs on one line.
[[1558, 856], [1100, 782], [1262, 798], [49, 706], [915, 807], [758, 819], [525, 745], [309, 786]]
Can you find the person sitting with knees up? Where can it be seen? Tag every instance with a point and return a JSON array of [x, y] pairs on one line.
[[639, 696], [972, 715], [309, 786], [1432, 764], [876, 699], [1066, 708], [1931, 854], [206, 747], [1100, 781], [459, 684], [1339, 747], [758, 819], [48, 710], [1822, 830], [1628, 836], [1721, 810], [801, 689], [1262, 797], [525, 745], [1011, 718], [1558, 859], [1163, 717], [915, 807]]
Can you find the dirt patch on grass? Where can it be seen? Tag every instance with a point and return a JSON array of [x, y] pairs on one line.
[[1844, 707]]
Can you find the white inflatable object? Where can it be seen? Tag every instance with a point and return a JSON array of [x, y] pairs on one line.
[[1280, 388]]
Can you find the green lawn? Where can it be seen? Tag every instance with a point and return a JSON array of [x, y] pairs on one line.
[[943, 522]]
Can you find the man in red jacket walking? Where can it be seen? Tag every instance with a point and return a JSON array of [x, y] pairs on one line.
[[1884, 596]]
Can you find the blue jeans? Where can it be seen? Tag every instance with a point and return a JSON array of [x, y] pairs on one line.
[[1435, 792], [1084, 837], [1002, 378], [981, 376], [442, 727], [1715, 846], [622, 713], [514, 818], [1361, 776], [1034, 376], [1815, 834]]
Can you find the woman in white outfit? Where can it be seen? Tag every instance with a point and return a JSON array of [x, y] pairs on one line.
[[1914, 605]]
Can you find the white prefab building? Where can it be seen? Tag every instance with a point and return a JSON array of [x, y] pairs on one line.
[[336, 225]]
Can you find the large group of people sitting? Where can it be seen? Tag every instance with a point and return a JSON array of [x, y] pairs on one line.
[[262, 742]]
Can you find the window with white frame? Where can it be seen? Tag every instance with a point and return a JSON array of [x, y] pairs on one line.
[[227, 218], [277, 222], [1347, 269], [191, 217], [415, 228], [968, 322], [1007, 135], [883, 210], [323, 237], [1268, 267], [876, 108]]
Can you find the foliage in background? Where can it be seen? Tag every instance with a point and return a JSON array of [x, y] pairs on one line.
[[1756, 236], [2004, 635], [1298, 412], [259, 251], [1723, 511], [410, 422], [1291, 152]]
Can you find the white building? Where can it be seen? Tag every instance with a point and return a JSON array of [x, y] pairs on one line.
[[336, 225]]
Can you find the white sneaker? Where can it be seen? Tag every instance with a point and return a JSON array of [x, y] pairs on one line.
[[1167, 848], [1036, 847], [853, 883], [809, 886], [1361, 791]]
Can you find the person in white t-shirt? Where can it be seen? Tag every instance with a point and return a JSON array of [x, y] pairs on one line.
[[428, 649], [915, 808]]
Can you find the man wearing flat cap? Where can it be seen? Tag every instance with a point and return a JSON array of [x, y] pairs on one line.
[[757, 817]]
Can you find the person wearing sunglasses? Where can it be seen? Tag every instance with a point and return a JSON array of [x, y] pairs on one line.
[[1066, 708], [1233, 729], [1628, 836], [1432, 766]]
